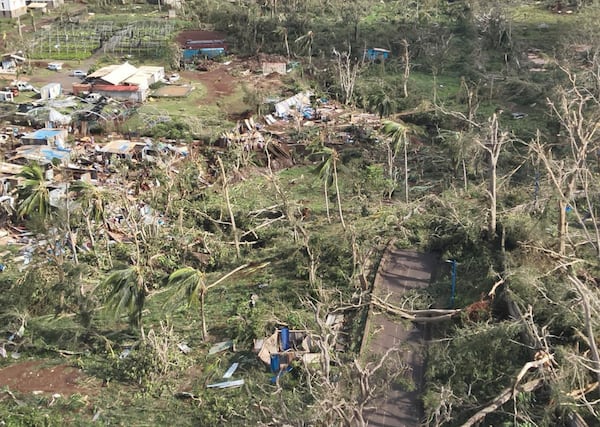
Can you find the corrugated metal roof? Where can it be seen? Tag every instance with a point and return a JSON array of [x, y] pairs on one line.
[[42, 153], [140, 79], [151, 69], [98, 74], [10, 168], [122, 146], [114, 74], [44, 133]]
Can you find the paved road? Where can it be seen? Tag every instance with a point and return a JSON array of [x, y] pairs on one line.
[[399, 272]]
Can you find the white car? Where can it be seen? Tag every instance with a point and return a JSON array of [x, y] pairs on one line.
[[78, 73], [173, 77], [93, 98], [55, 66], [23, 86]]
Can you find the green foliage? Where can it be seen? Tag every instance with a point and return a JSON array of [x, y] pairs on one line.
[[34, 195], [173, 129], [127, 293], [478, 362], [153, 363]]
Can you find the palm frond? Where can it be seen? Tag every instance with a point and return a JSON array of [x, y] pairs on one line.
[[189, 282]]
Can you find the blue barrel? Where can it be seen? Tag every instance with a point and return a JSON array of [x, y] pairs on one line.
[[275, 363], [285, 338]]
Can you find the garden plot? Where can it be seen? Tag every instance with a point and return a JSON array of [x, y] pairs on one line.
[[72, 41], [173, 91]]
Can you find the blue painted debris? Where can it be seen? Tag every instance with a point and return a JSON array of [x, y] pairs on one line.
[[275, 363], [308, 113], [285, 338]]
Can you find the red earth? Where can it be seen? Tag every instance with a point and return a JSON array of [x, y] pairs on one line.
[[32, 376]]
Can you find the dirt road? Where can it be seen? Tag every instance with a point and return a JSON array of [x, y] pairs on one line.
[[400, 271]]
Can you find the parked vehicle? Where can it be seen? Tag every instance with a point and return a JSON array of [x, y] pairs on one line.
[[78, 73], [13, 89], [55, 66], [23, 86], [173, 77], [93, 98], [6, 96]]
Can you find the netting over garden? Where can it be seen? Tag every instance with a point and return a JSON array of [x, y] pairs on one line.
[[80, 40]]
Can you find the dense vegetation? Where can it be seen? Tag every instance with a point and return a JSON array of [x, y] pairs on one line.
[[483, 157]]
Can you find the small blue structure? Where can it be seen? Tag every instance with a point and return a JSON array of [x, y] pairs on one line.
[[376, 53], [43, 154], [285, 338], [201, 44], [46, 136], [203, 52]]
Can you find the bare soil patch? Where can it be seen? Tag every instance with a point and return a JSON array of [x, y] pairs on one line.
[[172, 91], [30, 376], [219, 82]]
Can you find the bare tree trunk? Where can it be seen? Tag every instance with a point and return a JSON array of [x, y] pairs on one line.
[[562, 226], [492, 188], [337, 191], [589, 330], [504, 397], [203, 315], [406, 170], [229, 208], [493, 146], [347, 70], [406, 68], [327, 202]]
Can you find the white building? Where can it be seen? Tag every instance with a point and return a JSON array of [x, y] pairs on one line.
[[122, 82], [12, 8], [50, 91]]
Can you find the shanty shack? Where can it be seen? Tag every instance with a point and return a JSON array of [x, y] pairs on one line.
[[46, 136], [10, 62], [50, 91], [42, 154], [124, 148], [376, 54]]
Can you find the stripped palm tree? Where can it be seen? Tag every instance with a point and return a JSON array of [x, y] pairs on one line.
[[34, 196], [191, 284], [399, 133], [127, 293], [92, 203], [305, 44], [327, 171]]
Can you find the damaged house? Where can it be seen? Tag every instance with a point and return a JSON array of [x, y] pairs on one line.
[[10, 63], [122, 82]]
